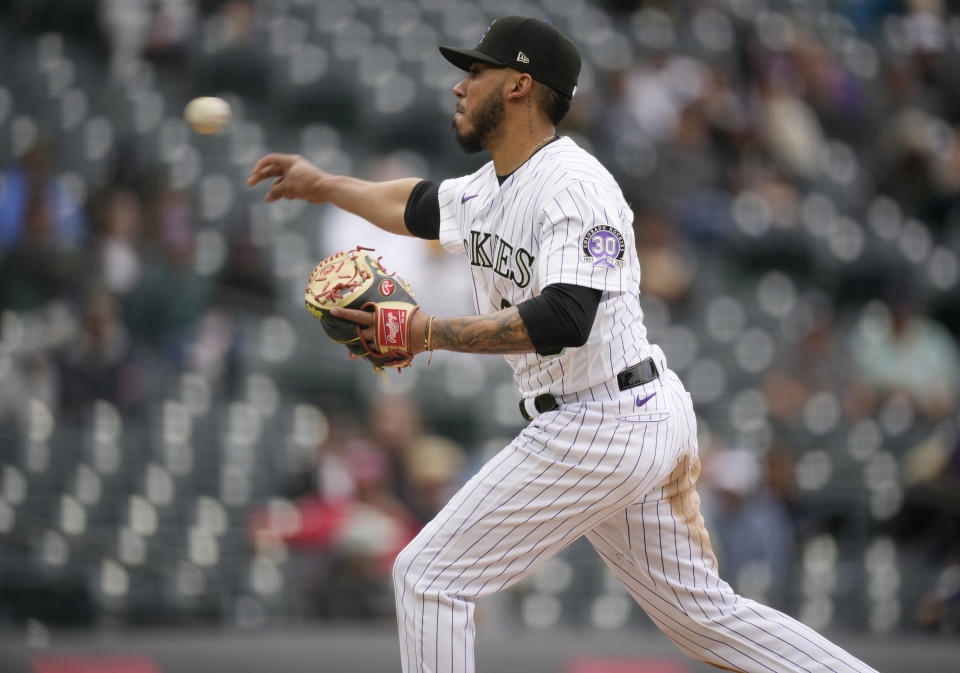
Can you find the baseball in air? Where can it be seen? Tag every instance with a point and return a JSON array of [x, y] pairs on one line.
[[207, 114]]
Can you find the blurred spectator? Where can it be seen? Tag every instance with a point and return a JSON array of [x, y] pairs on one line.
[[31, 375], [688, 168], [171, 298], [947, 174], [668, 266], [362, 523], [245, 281], [610, 111], [753, 530], [867, 14], [126, 25], [819, 360], [930, 520], [242, 291], [378, 525], [657, 90], [709, 154], [727, 114], [331, 477], [98, 363], [38, 269], [118, 247], [834, 93], [354, 536], [911, 161], [422, 470], [434, 468], [790, 127], [233, 25], [939, 610], [394, 424], [234, 46], [31, 182], [779, 476], [323, 471], [135, 29], [898, 349]]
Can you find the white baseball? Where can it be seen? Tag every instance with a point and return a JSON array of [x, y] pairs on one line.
[[207, 114]]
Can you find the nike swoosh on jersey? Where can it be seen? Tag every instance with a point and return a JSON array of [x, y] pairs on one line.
[[643, 400], [465, 198]]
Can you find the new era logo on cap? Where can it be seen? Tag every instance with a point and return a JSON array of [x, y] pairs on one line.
[[522, 58]]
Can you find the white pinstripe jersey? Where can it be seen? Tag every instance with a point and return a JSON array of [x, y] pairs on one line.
[[559, 218]]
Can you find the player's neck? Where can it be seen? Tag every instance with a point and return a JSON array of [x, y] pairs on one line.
[[515, 148]]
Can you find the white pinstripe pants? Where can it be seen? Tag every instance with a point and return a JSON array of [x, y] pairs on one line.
[[623, 476]]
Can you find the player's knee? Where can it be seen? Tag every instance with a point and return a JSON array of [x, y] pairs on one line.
[[412, 576], [404, 567], [400, 565]]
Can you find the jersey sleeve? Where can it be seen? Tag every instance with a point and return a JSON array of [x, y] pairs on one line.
[[449, 196], [587, 239]]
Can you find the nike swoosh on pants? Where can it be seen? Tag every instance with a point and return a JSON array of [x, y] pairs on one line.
[[643, 400]]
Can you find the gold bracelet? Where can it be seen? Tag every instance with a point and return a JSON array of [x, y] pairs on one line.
[[426, 339]]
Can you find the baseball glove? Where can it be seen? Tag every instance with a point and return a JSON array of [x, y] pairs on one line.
[[356, 280]]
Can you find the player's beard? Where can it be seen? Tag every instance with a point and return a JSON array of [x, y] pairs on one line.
[[487, 122]]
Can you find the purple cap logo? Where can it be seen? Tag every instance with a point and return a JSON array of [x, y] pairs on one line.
[[486, 31], [603, 246]]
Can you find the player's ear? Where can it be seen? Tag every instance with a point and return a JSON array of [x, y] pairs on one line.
[[520, 85]]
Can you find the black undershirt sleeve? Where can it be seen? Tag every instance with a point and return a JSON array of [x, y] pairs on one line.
[[422, 214], [560, 316]]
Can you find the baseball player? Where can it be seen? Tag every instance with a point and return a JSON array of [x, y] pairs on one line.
[[610, 451]]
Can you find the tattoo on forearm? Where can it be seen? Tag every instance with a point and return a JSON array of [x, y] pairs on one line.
[[501, 333]]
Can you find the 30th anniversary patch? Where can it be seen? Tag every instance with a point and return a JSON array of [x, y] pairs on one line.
[[603, 246]]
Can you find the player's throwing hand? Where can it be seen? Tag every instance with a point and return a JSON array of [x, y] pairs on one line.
[[296, 178]]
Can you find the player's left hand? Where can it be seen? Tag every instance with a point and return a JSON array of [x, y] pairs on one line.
[[367, 320]]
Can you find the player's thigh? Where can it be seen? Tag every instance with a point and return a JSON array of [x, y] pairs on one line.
[[660, 549], [660, 545]]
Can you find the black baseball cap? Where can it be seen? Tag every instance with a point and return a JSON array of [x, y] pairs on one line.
[[529, 45]]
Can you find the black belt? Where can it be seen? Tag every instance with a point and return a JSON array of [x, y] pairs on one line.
[[637, 375]]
